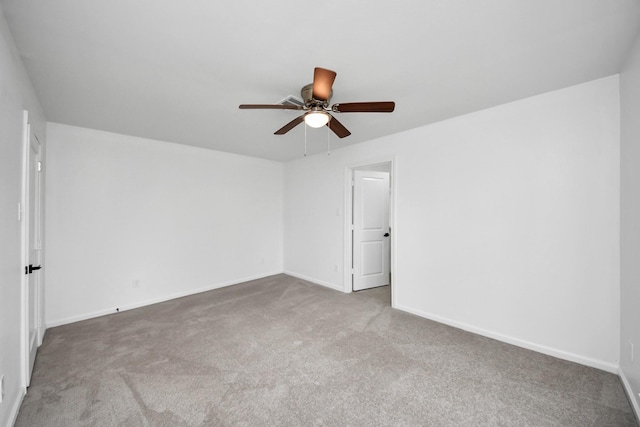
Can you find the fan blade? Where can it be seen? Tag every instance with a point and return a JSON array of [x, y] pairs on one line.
[[322, 83], [269, 107], [364, 107], [338, 128], [293, 123]]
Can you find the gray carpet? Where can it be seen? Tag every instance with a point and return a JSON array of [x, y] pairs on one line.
[[281, 351]]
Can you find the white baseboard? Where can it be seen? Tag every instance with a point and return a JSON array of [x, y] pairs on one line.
[[560, 354], [605, 366], [13, 415], [316, 281], [125, 307], [632, 397]]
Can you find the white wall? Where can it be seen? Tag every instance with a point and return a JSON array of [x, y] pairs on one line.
[[507, 220], [178, 219], [16, 94], [630, 224]]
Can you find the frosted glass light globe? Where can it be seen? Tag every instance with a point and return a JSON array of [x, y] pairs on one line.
[[316, 119]]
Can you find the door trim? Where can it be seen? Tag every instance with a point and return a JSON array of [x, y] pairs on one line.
[[24, 253], [348, 218]]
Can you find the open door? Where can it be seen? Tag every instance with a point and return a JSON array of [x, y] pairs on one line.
[[371, 256], [31, 250]]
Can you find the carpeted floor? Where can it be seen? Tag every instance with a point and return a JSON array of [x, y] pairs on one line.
[[283, 352]]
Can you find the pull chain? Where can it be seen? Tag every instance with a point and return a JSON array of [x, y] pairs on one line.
[[328, 140], [305, 140]]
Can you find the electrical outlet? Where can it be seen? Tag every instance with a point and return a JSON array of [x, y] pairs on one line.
[[631, 350], [335, 267], [1, 388], [135, 283]]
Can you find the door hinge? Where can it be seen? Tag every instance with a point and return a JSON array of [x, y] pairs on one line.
[[353, 227], [39, 166]]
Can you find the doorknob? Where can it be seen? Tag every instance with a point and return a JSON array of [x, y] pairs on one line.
[[33, 268], [386, 234]]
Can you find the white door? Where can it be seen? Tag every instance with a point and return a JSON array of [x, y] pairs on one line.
[[370, 229], [31, 241]]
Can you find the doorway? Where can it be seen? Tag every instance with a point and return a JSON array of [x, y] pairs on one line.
[[369, 215]]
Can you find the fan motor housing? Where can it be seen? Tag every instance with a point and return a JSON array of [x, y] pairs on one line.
[[307, 95]]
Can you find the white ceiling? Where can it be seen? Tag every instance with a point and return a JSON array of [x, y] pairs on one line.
[[177, 70]]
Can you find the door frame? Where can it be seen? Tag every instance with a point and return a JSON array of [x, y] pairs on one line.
[[348, 219], [25, 212]]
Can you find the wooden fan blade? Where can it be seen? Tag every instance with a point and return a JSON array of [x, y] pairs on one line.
[[293, 123], [269, 107], [338, 128], [364, 107], [322, 83]]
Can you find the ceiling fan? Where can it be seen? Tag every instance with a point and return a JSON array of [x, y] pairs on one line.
[[316, 98]]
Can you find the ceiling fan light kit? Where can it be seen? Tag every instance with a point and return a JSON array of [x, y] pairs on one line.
[[316, 119], [316, 98]]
